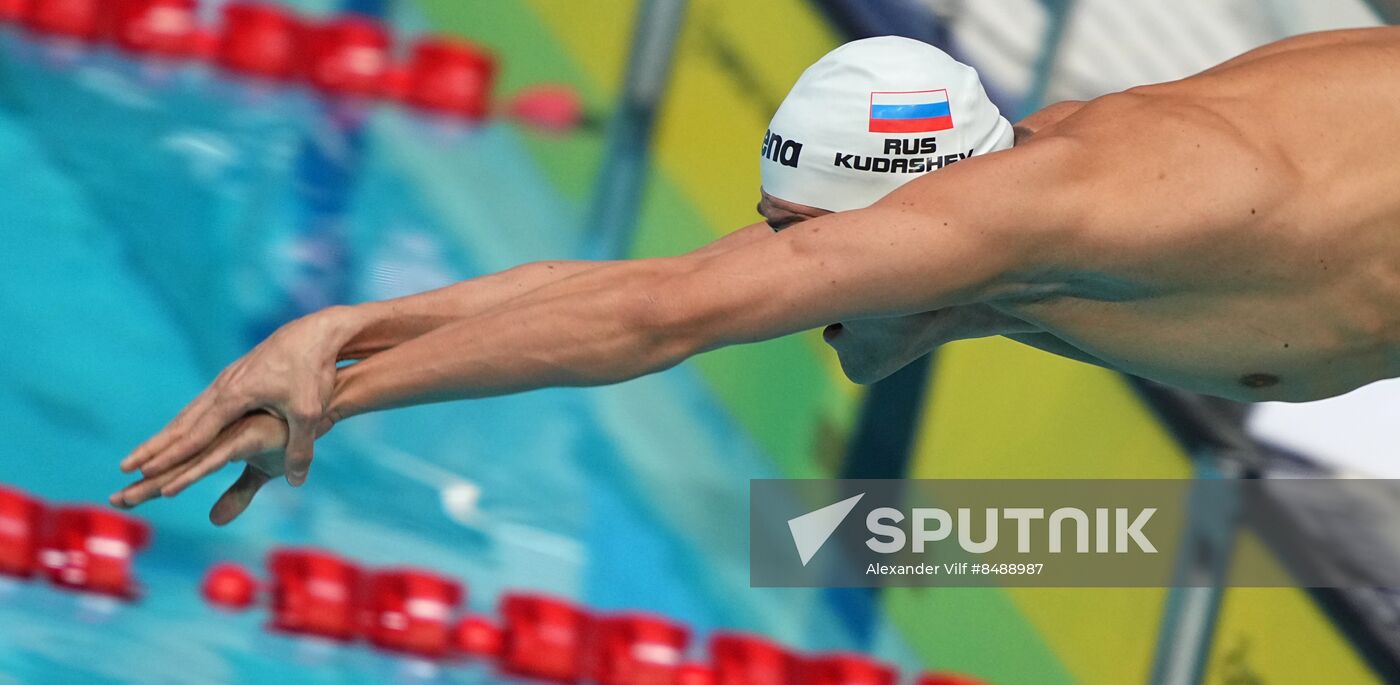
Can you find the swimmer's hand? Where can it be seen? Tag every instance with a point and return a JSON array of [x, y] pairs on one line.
[[258, 439], [290, 375]]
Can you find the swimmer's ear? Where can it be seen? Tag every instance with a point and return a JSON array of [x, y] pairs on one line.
[[236, 499]]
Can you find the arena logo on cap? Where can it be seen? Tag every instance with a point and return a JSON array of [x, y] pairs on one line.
[[919, 111], [785, 152]]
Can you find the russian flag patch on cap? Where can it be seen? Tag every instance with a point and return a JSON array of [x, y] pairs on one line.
[[920, 111]]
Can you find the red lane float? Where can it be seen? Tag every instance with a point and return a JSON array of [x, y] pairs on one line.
[[635, 649], [229, 586], [544, 638], [313, 593], [410, 611], [20, 519], [743, 659], [346, 56], [847, 669], [91, 549], [81, 19], [258, 39], [157, 27], [450, 77]]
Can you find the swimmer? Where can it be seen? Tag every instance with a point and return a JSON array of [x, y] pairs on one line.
[[1232, 233], [798, 192]]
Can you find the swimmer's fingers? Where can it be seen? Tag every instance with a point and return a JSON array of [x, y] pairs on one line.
[[152, 487], [162, 440], [143, 491], [237, 498], [191, 434], [195, 472], [191, 431], [251, 438]]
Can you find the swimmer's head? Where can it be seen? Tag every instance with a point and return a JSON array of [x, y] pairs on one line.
[[867, 118]]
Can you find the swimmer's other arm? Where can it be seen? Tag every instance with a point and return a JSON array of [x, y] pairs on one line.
[[920, 249]]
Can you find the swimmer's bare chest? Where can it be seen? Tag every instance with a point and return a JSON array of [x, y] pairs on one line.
[[1243, 251]]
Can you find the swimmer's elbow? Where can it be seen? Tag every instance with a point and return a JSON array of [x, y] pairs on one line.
[[664, 323], [693, 306]]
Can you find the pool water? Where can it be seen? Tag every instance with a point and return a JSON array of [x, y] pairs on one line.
[[159, 219]]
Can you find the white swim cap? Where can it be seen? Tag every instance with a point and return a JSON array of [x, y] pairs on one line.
[[873, 115]]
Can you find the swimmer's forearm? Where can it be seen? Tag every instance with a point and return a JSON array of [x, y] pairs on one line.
[[379, 326], [922, 248], [587, 330], [622, 321]]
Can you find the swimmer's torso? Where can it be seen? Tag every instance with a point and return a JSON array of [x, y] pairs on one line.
[[1276, 247]]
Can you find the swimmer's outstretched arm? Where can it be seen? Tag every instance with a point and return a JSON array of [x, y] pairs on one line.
[[920, 249]]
